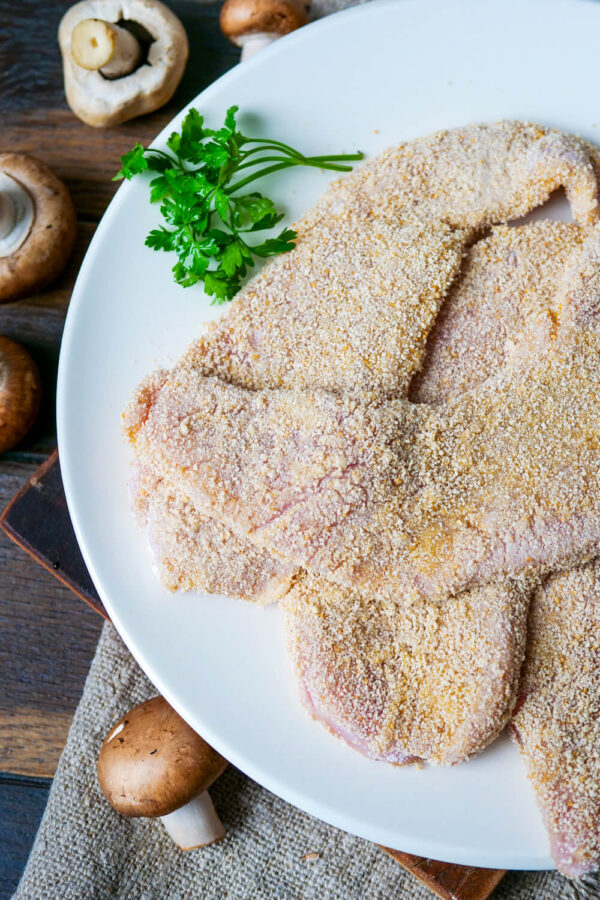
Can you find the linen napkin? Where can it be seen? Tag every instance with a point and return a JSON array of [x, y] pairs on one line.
[[84, 849]]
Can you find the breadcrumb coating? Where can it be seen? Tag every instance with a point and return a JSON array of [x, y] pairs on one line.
[[429, 681], [432, 682], [394, 497], [557, 725], [508, 279], [350, 307], [191, 550], [471, 177]]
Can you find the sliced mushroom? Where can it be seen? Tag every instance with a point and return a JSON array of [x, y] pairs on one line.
[[20, 393], [120, 59], [37, 225], [253, 24], [153, 764]]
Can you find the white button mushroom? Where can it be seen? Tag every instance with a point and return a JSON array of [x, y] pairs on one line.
[[37, 225], [20, 393], [253, 24], [120, 59], [153, 764]]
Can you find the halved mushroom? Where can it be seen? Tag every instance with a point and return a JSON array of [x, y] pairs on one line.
[[37, 225], [120, 59], [153, 764], [253, 24], [20, 393]]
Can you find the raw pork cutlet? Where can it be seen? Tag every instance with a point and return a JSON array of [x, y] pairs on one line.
[[471, 177], [374, 291], [505, 279], [434, 682], [350, 307], [508, 279], [429, 681], [393, 497], [353, 304], [557, 725], [194, 552]]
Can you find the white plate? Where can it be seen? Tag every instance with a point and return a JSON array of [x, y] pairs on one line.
[[370, 77]]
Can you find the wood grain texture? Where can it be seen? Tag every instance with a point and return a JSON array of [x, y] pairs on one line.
[[447, 881], [22, 802], [37, 519], [47, 641]]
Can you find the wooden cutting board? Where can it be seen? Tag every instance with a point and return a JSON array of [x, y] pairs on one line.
[[38, 520]]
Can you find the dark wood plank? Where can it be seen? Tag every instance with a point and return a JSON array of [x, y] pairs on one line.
[[22, 803], [447, 881], [47, 641], [37, 519]]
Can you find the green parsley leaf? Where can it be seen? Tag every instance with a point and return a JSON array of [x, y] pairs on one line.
[[222, 204], [132, 163], [222, 289], [283, 243], [160, 239], [210, 215]]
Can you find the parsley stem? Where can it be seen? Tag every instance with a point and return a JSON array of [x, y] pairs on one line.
[[342, 156], [264, 159], [274, 143], [273, 147], [240, 184], [287, 164]]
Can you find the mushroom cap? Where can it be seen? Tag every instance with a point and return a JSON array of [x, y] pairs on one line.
[[47, 247], [152, 762], [101, 102], [20, 393], [240, 18]]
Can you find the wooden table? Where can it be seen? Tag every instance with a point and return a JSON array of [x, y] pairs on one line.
[[48, 636]]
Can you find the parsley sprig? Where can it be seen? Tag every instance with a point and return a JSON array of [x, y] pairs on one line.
[[198, 185]]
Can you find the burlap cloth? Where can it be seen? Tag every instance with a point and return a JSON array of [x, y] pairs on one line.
[[86, 850]]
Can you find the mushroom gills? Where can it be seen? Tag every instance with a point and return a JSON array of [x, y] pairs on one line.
[[16, 214], [194, 825], [113, 49]]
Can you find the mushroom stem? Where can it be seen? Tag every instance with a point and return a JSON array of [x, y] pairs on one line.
[[255, 42], [100, 45], [16, 215], [194, 825]]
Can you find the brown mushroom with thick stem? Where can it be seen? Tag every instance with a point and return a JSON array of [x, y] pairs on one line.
[[153, 764], [254, 24], [20, 393], [37, 225], [120, 59]]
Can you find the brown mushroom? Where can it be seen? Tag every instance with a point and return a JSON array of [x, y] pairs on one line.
[[20, 393], [253, 24], [120, 59], [153, 764], [37, 225]]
